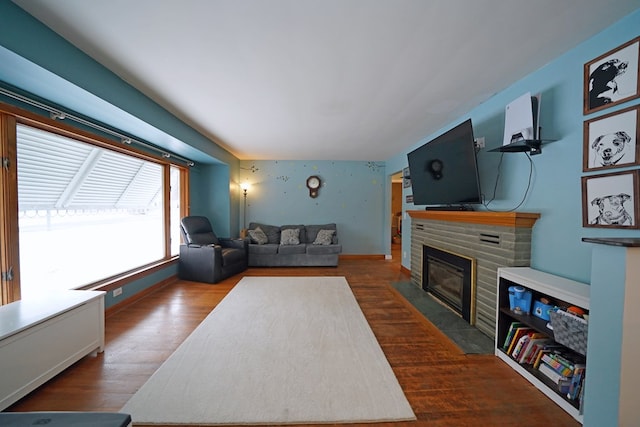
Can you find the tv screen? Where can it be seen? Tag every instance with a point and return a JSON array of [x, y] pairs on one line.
[[444, 171]]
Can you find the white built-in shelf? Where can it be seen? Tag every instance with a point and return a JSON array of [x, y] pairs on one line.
[[542, 285]]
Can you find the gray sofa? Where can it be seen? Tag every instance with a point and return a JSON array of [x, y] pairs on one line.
[[277, 246]]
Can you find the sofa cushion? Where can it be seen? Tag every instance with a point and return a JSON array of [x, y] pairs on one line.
[[324, 237], [292, 249], [312, 231], [272, 231], [266, 249], [324, 249], [302, 234], [258, 236], [290, 236]]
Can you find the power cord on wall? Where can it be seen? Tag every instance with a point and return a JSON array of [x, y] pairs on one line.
[[495, 186]]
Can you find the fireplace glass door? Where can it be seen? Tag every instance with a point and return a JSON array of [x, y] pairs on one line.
[[451, 279]]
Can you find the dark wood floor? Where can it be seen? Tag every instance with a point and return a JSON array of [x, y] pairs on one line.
[[444, 386]]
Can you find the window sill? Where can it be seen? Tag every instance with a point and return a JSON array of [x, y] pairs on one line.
[[131, 275]]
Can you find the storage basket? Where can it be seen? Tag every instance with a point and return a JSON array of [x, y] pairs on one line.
[[570, 331]]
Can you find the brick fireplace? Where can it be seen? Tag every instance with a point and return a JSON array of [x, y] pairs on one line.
[[491, 239]]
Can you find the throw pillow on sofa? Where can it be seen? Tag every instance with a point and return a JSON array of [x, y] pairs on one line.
[[258, 236], [290, 236], [324, 237], [272, 231]]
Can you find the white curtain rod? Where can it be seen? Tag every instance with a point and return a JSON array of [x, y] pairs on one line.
[[57, 114]]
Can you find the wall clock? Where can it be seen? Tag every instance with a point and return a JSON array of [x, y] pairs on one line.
[[313, 184]]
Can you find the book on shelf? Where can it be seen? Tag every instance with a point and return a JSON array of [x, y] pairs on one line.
[[522, 342], [529, 354], [519, 332], [550, 373], [551, 360], [564, 359], [564, 386], [568, 357], [510, 332], [545, 349], [538, 359], [525, 344], [577, 381]]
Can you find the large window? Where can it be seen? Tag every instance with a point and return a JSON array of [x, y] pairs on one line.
[[86, 212]]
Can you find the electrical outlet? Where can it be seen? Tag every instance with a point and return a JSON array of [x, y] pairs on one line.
[[404, 254], [117, 292], [480, 142]]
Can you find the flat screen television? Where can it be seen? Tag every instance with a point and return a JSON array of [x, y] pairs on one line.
[[444, 171]]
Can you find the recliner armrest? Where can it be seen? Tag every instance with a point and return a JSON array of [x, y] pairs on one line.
[[195, 245], [234, 243]]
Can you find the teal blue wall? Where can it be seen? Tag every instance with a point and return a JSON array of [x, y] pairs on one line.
[[140, 285], [352, 196], [211, 194], [555, 190]]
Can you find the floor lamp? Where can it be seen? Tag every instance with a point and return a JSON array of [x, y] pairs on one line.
[[243, 232]]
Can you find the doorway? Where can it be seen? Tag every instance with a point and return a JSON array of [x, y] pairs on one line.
[[396, 215]]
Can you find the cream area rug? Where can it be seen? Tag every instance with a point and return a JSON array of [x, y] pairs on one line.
[[276, 350]]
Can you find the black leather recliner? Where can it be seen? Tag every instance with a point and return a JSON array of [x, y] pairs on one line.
[[204, 257]]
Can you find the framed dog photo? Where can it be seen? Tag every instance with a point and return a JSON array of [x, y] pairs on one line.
[[611, 200], [612, 78], [406, 178], [611, 141]]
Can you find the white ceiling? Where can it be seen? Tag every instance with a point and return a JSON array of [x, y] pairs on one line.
[[323, 79]]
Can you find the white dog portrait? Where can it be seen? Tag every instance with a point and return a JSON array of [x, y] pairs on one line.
[[609, 149], [610, 141], [612, 210], [610, 200]]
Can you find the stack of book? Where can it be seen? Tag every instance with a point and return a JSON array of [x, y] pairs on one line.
[[524, 343], [561, 366], [565, 369]]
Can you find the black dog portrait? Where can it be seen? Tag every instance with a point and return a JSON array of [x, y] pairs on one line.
[[602, 82], [612, 78]]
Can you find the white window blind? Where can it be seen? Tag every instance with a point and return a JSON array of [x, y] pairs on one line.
[[85, 212]]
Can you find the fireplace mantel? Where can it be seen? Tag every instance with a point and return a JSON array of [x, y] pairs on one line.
[[506, 219]]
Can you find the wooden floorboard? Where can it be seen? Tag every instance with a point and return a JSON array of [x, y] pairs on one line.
[[444, 386]]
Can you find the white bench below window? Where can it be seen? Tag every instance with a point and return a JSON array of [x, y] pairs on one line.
[[41, 336]]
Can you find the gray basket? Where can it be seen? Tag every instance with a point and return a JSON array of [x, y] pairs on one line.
[[570, 331]]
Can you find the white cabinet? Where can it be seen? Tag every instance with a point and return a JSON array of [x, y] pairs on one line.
[[560, 290], [40, 337]]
